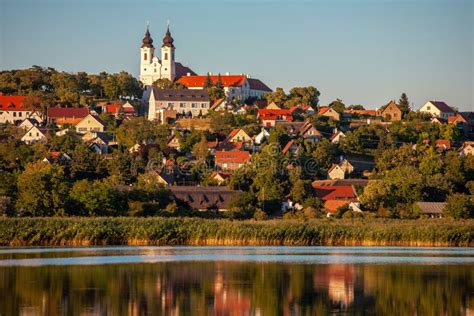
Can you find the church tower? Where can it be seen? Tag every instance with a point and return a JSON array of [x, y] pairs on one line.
[[168, 68], [147, 52]]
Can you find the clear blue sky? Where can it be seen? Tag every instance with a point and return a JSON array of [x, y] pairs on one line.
[[364, 52]]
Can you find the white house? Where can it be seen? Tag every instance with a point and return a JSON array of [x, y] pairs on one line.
[[12, 109], [261, 137], [34, 135], [28, 123], [437, 109], [90, 123]]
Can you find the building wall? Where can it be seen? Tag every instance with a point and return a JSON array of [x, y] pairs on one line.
[[13, 116]]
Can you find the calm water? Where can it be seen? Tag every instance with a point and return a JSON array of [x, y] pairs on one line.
[[236, 281]]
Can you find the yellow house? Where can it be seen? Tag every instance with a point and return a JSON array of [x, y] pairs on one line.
[[273, 106], [239, 135], [90, 123], [336, 172]]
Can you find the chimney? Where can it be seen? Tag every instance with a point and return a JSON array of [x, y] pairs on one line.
[[188, 74], [227, 73]]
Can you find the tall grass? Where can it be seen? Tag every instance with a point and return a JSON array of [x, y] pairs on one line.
[[196, 231]]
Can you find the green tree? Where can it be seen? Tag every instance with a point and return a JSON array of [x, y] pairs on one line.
[[459, 206], [200, 150], [97, 198], [42, 190], [337, 105], [303, 95], [404, 104], [279, 97], [165, 83]]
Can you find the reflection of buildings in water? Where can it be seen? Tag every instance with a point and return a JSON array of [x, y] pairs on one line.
[[339, 281], [229, 301]]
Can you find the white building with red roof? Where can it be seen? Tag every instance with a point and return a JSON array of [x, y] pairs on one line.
[[240, 87], [12, 109]]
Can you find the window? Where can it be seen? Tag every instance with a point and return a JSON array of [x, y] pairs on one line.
[[82, 129], [170, 104], [20, 114], [194, 105], [166, 56], [203, 105], [145, 56], [428, 108], [37, 134], [144, 69], [182, 105], [14, 114]]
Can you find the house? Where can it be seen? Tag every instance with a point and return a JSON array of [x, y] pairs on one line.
[[220, 177], [64, 132], [463, 120], [230, 146], [467, 148], [332, 206], [113, 109], [336, 172], [329, 112], [173, 142], [335, 196], [204, 198], [273, 106], [232, 160], [220, 105], [291, 147], [337, 136], [310, 133], [128, 109], [57, 157], [269, 117], [293, 129], [12, 109], [261, 137], [431, 209], [239, 87], [437, 109], [164, 177], [185, 102], [28, 123], [390, 112], [361, 113], [442, 145], [35, 135], [308, 110], [90, 123], [70, 116], [342, 182], [97, 141], [239, 135]]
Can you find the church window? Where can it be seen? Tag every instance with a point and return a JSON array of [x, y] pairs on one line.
[[166, 56], [145, 56], [144, 69], [166, 69], [155, 69]]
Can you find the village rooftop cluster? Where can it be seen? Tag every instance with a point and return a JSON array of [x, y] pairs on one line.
[[222, 143]]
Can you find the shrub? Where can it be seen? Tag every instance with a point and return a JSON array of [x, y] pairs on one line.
[[459, 206]]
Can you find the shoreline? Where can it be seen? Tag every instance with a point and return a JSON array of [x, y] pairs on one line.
[[158, 231]]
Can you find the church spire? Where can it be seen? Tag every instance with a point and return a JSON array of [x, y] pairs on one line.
[[147, 40], [168, 40]]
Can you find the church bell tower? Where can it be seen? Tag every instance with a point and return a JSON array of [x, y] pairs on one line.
[[168, 67], [147, 52]]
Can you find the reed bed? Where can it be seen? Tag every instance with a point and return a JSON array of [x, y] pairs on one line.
[[197, 231]]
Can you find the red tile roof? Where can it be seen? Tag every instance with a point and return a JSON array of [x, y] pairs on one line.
[[332, 205], [269, 114], [458, 118], [233, 133], [232, 156], [443, 143], [363, 112], [326, 193], [323, 109], [287, 147], [12, 102], [112, 108], [198, 81], [58, 112]]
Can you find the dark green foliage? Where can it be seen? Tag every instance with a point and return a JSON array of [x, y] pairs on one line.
[[459, 206]]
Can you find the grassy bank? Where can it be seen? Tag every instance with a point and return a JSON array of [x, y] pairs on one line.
[[194, 231]]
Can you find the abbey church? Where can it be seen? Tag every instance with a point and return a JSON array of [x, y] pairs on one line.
[[152, 68]]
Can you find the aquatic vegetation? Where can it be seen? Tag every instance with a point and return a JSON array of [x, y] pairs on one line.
[[198, 231]]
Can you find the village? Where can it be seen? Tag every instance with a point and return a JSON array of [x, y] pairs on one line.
[[178, 143]]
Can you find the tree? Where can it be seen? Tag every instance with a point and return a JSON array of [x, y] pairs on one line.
[[404, 104], [459, 206], [279, 96], [97, 198], [242, 206], [139, 130], [337, 105], [208, 82], [42, 190], [301, 190], [111, 87], [200, 150], [85, 163], [303, 95], [165, 83]]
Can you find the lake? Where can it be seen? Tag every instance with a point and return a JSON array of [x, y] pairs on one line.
[[236, 281]]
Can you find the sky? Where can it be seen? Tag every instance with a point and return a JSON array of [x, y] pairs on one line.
[[363, 52]]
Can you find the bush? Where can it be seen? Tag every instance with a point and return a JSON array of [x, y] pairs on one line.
[[459, 206]]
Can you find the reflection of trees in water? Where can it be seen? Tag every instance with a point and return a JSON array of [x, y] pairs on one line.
[[229, 288]]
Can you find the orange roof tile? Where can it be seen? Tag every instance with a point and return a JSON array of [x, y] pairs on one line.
[[12, 102], [232, 156]]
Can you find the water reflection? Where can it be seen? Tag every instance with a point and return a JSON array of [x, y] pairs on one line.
[[237, 288]]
